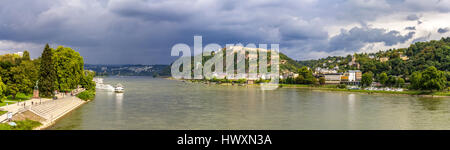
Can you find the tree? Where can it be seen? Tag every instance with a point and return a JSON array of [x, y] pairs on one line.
[[88, 83], [433, 79], [392, 81], [382, 78], [2, 90], [429, 79], [69, 68], [416, 79], [400, 82], [22, 78], [307, 75], [367, 79], [299, 79], [26, 56], [47, 77], [322, 80]]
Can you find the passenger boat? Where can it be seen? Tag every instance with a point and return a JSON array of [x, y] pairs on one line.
[[119, 88]]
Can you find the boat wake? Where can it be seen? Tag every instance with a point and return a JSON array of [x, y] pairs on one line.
[[101, 86]]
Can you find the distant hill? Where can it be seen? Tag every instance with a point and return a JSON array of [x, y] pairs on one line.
[[129, 69], [287, 65]]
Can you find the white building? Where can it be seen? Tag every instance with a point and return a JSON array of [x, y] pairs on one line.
[[354, 75]]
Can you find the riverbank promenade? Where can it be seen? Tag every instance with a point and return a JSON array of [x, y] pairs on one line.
[[44, 110]]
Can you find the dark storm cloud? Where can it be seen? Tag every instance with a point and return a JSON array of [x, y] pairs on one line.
[[443, 30], [356, 38], [410, 28], [143, 31]]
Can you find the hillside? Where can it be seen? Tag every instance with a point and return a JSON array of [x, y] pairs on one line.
[[398, 62], [129, 70], [287, 65]]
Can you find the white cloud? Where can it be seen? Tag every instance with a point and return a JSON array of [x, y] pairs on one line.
[[7, 47]]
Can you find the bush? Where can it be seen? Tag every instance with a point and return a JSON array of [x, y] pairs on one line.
[[86, 95], [20, 96]]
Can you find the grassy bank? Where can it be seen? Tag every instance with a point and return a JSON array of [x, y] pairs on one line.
[[21, 125], [87, 95], [334, 88]]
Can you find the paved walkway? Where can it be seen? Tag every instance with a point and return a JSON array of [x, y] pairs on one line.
[[47, 108], [53, 110]]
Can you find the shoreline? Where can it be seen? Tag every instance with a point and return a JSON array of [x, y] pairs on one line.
[[49, 123], [46, 113], [404, 93], [304, 86]]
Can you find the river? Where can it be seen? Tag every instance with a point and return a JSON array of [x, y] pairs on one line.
[[155, 103]]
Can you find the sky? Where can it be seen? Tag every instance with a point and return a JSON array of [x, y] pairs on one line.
[[144, 31]]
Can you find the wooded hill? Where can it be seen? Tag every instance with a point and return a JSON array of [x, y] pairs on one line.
[[397, 62]]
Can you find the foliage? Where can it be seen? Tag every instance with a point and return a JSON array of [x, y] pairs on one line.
[[87, 95], [22, 78], [69, 68], [342, 86], [3, 112], [400, 82], [21, 125], [87, 80], [419, 56], [383, 78], [307, 75], [60, 69], [20, 96], [241, 81], [429, 79], [322, 80], [47, 81], [26, 56], [367, 79], [2, 90]]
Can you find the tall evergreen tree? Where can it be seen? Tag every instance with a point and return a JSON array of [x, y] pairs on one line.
[[47, 77]]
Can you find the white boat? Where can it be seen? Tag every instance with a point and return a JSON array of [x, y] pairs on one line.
[[119, 88]]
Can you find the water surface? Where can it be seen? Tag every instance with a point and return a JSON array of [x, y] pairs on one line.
[[150, 103]]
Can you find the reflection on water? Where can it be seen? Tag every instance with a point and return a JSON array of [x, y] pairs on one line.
[[430, 104], [165, 104]]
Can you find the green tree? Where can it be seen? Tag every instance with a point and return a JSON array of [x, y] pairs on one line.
[[416, 79], [367, 79], [69, 68], [383, 78], [322, 80], [433, 79], [299, 79], [88, 83], [22, 78], [307, 75], [18, 82], [47, 73], [400, 82], [26, 56], [392, 81], [2, 90]]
